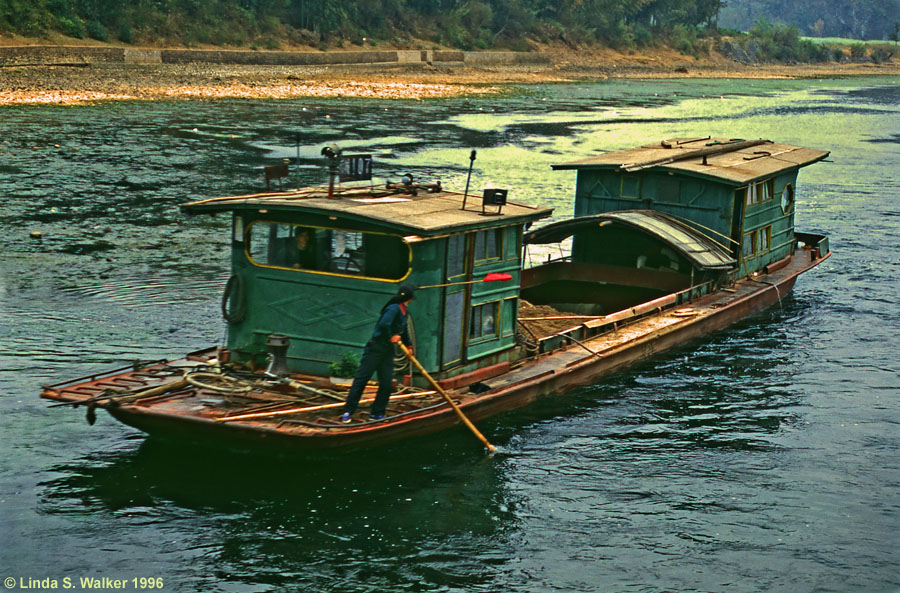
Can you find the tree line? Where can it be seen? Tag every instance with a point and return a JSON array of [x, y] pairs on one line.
[[691, 26], [466, 24], [853, 19]]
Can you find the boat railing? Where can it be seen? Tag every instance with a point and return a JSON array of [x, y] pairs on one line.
[[103, 374], [614, 321], [530, 263], [139, 371]]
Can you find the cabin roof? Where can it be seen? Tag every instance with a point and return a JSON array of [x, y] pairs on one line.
[[429, 212], [703, 251], [732, 161]]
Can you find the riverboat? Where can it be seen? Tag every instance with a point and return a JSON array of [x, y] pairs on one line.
[[668, 242]]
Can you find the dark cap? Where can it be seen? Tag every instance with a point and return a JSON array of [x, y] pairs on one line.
[[406, 292]]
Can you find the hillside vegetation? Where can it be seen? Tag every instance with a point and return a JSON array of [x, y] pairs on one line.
[[690, 26], [465, 24], [854, 19]]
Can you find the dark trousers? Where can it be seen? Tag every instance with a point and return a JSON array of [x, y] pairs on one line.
[[376, 358]]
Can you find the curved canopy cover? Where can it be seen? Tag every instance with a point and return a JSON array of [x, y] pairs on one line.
[[699, 248]]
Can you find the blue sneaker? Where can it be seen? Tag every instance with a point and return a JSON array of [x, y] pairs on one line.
[[346, 418], [377, 416]]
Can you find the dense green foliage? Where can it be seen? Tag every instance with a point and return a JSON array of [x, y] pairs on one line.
[[467, 24], [781, 43], [768, 42], [689, 26], [855, 19]]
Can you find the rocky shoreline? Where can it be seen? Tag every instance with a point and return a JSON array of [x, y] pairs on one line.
[[67, 76]]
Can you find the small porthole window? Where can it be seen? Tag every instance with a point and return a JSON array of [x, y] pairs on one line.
[[787, 198]]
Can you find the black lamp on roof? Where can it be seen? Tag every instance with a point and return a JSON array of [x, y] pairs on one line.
[[493, 197]]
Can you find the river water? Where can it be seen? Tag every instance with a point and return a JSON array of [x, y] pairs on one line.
[[764, 458]]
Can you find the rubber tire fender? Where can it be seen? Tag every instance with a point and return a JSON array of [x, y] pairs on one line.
[[234, 295]]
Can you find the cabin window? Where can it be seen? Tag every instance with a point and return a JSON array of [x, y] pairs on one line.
[[346, 252], [760, 192], [313, 249], [238, 229], [513, 243], [483, 321], [509, 309], [456, 255], [757, 241], [765, 239], [631, 186], [488, 245], [749, 247]]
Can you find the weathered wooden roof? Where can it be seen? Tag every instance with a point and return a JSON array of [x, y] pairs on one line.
[[428, 212], [732, 161]]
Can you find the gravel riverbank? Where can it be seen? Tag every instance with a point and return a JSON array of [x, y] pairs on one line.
[[74, 83]]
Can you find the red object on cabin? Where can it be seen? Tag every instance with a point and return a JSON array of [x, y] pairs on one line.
[[497, 277]]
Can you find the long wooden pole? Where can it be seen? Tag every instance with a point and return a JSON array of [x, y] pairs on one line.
[[471, 164], [450, 284], [452, 403], [492, 277], [553, 317]]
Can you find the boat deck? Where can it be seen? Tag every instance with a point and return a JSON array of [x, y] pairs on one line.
[[638, 334], [194, 391], [195, 386]]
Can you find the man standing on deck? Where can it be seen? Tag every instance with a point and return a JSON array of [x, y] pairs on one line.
[[378, 356]]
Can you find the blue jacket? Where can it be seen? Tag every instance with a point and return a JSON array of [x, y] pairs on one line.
[[391, 323]]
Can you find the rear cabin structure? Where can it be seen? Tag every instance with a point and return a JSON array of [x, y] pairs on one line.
[[739, 193]]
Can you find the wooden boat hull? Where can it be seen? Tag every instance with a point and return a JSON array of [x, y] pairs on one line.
[[557, 372]]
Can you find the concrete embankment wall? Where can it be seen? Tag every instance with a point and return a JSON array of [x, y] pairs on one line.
[[34, 55], [38, 55]]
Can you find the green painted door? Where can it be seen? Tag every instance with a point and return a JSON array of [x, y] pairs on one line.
[[455, 305]]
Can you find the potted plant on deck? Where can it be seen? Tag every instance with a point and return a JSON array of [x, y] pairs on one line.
[[344, 369]]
